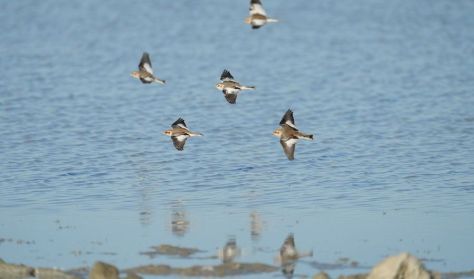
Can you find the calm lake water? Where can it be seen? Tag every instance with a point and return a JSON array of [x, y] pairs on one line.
[[386, 87]]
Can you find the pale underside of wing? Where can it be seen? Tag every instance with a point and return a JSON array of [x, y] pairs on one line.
[[256, 8], [289, 148], [145, 63], [179, 141]]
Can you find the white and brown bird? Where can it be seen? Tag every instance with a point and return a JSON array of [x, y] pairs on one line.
[[288, 251], [257, 15], [179, 133], [230, 87], [145, 71], [229, 252], [289, 134]]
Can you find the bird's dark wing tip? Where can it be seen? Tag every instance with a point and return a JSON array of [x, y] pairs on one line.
[[288, 116], [226, 74], [177, 122]]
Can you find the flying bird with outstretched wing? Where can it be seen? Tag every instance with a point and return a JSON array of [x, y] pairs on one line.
[[257, 15], [230, 87], [179, 133], [145, 71], [289, 134]]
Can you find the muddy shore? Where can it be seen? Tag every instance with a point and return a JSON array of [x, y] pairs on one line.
[[402, 266]]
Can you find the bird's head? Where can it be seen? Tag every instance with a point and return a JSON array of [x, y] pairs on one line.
[[248, 20], [277, 132], [168, 132], [220, 86], [135, 74]]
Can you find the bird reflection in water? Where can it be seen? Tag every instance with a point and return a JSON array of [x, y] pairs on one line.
[[289, 255], [288, 269], [179, 222], [230, 251], [146, 191], [256, 225]]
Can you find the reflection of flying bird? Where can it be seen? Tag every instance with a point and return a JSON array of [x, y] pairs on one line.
[[288, 252], [145, 71], [289, 134], [180, 133], [289, 255], [288, 249], [229, 252], [179, 222], [288, 269], [256, 225], [230, 87], [257, 15]]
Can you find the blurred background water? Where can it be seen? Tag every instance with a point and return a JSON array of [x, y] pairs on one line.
[[386, 87]]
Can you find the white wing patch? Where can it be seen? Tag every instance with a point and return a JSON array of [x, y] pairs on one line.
[[231, 90], [288, 122], [182, 137], [257, 9], [182, 126], [291, 142], [148, 68]]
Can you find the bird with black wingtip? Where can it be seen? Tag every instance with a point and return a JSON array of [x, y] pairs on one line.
[[257, 15], [145, 71], [230, 87], [179, 133], [289, 134]]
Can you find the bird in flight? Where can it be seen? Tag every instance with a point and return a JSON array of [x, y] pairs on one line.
[[257, 15], [179, 133], [145, 71], [289, 134], [230, 87]]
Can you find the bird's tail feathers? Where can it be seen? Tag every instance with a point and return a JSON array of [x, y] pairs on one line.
[[243, 87], [272, 20], [162, 81], [306, 136]]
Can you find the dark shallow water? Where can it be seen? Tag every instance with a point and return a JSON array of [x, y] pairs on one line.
[[387, 88]]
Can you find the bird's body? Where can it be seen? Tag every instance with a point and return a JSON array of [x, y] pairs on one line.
[[230, 87], [145, 71], [257, 15], [288, 249], [229, 252], [289, 134], [180, 133]]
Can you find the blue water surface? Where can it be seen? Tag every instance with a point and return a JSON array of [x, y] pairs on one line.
[[387, 88]]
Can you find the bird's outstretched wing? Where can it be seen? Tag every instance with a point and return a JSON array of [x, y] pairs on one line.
[[145, 63], [256, 8], [179, 141], [289, 148], [179, 124], [226, 76], [230, 97], [288, 119]]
